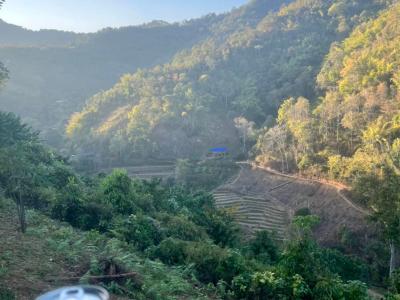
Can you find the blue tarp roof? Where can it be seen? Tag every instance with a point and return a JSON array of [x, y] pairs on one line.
[[219, 150]]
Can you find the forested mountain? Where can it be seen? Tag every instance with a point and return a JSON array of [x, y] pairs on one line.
[[354, 125], [219, 81], [352, 133], [52, 73], [216, 93], [12, 35]]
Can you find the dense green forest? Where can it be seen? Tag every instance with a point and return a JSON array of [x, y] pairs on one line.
[[148, 227], [52, 73], [353, 124], [351, 133], [212, 94], [303, 87]]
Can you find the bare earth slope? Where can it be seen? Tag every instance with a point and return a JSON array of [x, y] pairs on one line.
[[281, 193], [25, 260]]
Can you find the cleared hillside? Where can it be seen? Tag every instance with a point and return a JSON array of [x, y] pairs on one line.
[[254, 212], [275, 196]]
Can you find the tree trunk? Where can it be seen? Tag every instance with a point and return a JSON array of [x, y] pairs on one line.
[[393, 253], [21, 212], [244, 143], [287, 162], [283, 157], [337, 136]]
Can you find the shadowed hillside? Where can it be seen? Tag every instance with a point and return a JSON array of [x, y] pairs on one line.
[[52, 73]]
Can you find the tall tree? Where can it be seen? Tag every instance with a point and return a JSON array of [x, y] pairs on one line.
[[273, 145], [246, 130], [383, 194], [18, 153], [381, 185]]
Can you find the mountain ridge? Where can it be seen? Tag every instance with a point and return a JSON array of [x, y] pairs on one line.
[[245, 70], [48, 83]]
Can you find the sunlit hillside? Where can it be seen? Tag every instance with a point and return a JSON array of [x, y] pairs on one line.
[[250, 155]]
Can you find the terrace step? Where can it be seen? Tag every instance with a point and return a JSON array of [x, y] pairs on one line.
[[254, 211], [279, 223], [226, 198], [253, 227], [264, 208], [262, 225], [259, 210], [262, 216]]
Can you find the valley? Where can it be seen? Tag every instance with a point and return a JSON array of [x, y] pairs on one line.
[[252, 153]]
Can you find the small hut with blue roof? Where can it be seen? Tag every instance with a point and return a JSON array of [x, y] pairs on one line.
[[219, 152]]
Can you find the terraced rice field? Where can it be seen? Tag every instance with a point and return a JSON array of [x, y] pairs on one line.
[[148, 171], [254, 211], [292, 194]]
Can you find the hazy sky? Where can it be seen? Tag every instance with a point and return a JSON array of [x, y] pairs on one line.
[[91, 15]]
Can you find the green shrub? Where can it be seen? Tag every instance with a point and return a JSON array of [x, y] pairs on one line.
[[302, 212], [263, 248], [220, 226], [330, 288], [69, 204], [266, 285], [170, 251], [145, 203], [270, 284], [213, 263], [241, 286], [232, 265], [206, 259], [355, 290], [117, 191], [139, 230], [348, 268], [181, 227], [395, 282], [60, 174], [96, 216], [6, 294]]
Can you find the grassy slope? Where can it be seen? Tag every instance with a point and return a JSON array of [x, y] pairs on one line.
[[25, 260], [31, 263]]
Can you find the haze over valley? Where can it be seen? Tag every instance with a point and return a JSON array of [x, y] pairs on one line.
[[249, 154]]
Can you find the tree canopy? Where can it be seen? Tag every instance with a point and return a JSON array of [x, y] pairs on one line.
[[255, 57]]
